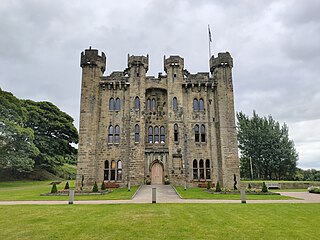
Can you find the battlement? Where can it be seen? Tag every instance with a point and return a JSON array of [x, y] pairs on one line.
[[138, 61], [223, 59], [91, 57], [176, 61]]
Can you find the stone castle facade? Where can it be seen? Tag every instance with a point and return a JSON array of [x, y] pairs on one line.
[[137, 129]]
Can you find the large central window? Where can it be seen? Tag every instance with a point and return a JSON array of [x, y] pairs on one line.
[[156, 134]]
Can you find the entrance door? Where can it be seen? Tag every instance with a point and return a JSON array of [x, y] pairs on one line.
[[156, 174]]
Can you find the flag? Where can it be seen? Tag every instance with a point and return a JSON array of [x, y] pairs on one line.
[[210, 39]]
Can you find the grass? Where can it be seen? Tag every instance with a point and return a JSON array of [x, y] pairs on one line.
[[160, 221], [201, 193], [31, 190]]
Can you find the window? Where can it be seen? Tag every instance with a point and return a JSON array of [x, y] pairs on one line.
[[106, 170], [117, 134], [119, 170], [156, 134], [162, 134], [150, 135], [137, 104], [153, 104], [111, 104], [201, 104], [201, 169], [203, 133], [195, 104], [113, 170], [136, 133], [174, 104], [208, 172], [175, 133], [148, 104], [110, 134], [196, 133], [117, 104], [195, 169]]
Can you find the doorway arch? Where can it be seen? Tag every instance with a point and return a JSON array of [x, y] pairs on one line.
[[156, 173]]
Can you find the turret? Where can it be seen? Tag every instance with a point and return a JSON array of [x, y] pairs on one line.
[[90, 57]]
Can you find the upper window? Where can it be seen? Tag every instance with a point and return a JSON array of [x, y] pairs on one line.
[[117, 134], [175, 133], [153, 105], [111, 104], [203, 133], [117, 104], [148, 104], [150, 135], [114, 134], [156, 134], [137, 104], [137, 133], [201, 104], [110, 134], [195, 104], [174, 104], [196, 133]]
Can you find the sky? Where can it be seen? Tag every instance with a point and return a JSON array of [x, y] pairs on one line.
[[275, 47]]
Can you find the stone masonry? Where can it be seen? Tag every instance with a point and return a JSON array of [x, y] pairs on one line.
[[137, 129]]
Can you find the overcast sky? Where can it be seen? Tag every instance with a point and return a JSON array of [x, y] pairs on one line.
[[275, 46]]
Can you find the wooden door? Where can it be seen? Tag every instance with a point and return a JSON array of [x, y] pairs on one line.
[[156, 174]]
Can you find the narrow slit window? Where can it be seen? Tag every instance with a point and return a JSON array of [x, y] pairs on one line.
[[176, 133], [156, 134], [208, 171], [117, 104], [196, 133], [175, 104], [153, 105], [119, 170], [195, 105], [195, 169], [201, 104], [106, 170], [203, 133], [111, 104], [110, 134], [148, 104], [113, 170], [150, 135], [137, 104], [137, 133], [201, 169], [117, 134], [162, 134]]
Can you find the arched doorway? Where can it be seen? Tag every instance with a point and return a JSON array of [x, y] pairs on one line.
[[156, 173]]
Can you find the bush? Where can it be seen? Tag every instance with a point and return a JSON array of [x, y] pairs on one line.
[[95, 187], [103, 186], [54, 188], [209, 185], [249, 186], [218, 187], [67, 185], [264, 187], [314, 189]]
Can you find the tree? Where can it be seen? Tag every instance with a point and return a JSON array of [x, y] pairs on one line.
[[266, 150], [54, 133]]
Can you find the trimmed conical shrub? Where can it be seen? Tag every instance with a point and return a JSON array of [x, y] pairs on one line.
[[218, 187], [95, 187], [54, 188], [209, 185], [103, 186], [264, 187], [67, 185]]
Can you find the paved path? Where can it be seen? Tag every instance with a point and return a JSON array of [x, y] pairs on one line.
[[166, 194]]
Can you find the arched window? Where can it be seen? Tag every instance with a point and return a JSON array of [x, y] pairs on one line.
[[117, 104], [175, 133], [117, 134], [106, 170], [162, 134], [195, 105], [110, 134], [174, 104], [201, 169], [148, 104], [113, 170], [150, 135], [196, 133], [153, 105], [137, 104], [203, 133], [111, 104], [208, 172], [201, 104], [136, 133], [195, 169], [156, 134], [119, 170]]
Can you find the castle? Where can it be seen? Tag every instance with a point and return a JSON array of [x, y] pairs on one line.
[[137, 129]]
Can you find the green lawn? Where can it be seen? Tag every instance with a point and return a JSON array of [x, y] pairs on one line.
[[160, 221], [31, 190], [201, 193]]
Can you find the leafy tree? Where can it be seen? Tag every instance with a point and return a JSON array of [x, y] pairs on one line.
[[54, 133], [266, 150]]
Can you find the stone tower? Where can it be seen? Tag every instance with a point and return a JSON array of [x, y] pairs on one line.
[[176, 127]]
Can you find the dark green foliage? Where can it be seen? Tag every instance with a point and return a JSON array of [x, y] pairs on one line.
[[54, 188], [264, 187], [103, 186], [95, 187], [266, 148], [218, 187], [208, 185], [67, 185], [249, 186], [307, 175]]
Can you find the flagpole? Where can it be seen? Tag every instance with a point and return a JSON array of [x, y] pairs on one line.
[[210, 40]]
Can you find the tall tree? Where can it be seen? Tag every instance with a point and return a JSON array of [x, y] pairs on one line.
[[266, 150]]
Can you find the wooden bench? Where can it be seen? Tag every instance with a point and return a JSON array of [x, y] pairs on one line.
[[273, 185]]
